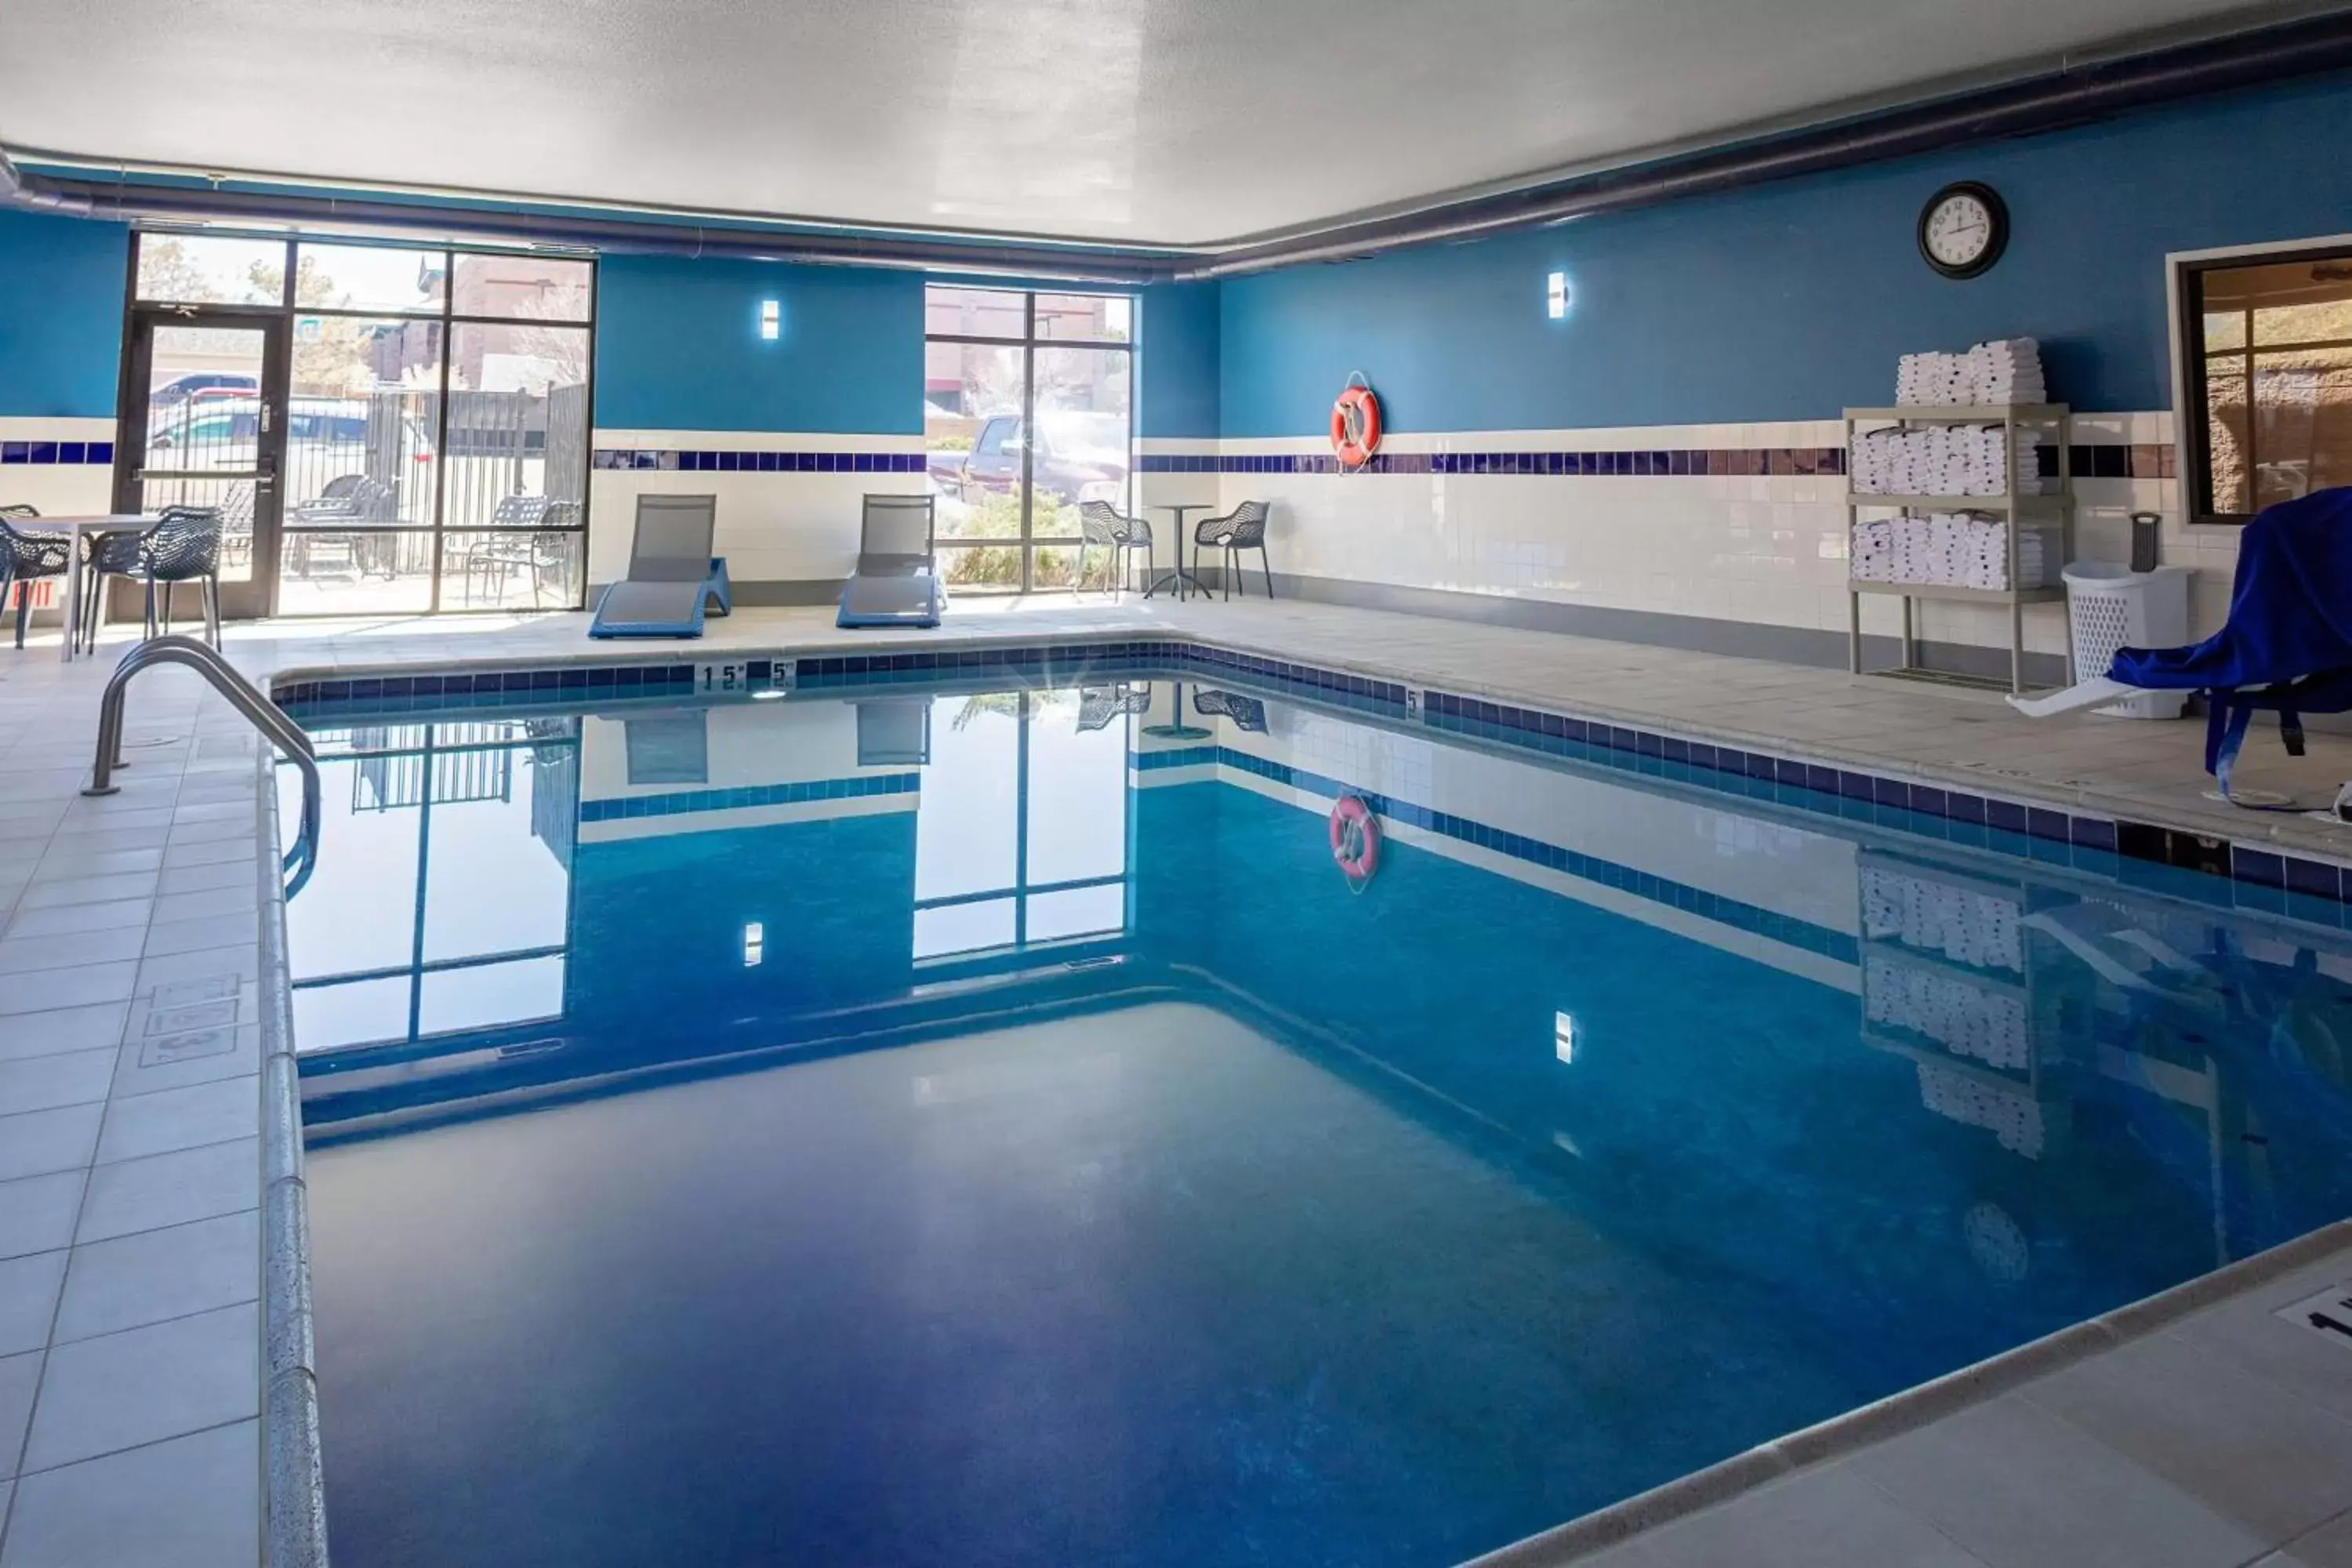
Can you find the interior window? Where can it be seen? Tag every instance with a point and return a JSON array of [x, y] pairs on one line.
[[2268, 364]]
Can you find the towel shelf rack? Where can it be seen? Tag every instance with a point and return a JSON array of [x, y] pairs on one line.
[[2027, 421]]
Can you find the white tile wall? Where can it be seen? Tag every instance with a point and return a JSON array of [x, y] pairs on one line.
[[61, 490], [772, 527], [1767, 549]]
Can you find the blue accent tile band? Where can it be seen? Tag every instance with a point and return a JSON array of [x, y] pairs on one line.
[[681, 803], [697, 461]]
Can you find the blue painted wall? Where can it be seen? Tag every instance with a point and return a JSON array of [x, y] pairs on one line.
[[1177, 382], [60, 314], [1793, 299], [678, 347]]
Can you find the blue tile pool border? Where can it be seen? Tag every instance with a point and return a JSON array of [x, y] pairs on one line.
[[2262, 879]]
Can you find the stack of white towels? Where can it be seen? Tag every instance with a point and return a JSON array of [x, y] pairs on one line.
[[2006, 372], [1982, 930], [2014, 1119], [1953, 549], [1943, 460], [1965, 1019]]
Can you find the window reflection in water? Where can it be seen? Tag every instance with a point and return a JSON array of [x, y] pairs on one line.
[[441, 899], [1022, 838]]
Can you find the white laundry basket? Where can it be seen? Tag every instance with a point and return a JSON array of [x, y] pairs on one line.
[[2112, 606]]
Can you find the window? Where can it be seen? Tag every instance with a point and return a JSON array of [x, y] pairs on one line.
[[435, 416], [1028, 412], [2266, 374]]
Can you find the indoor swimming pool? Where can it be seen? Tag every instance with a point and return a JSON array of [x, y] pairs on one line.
[[972, 1117]]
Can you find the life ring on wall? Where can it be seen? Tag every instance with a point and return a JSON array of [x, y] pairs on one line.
[[1355, 840], [1356, 423]]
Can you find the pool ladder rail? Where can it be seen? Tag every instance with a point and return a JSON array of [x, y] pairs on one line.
[[246, 699]]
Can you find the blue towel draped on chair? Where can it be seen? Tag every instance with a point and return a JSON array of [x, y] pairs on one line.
[[2288, 648]]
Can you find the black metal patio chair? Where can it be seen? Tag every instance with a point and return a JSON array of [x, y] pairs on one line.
[[1244, 527], [1099, 523], [31, 554]]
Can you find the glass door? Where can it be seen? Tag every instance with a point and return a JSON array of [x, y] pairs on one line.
[[206, 427]]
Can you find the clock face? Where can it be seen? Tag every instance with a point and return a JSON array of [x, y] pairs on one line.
[[1963, 229]]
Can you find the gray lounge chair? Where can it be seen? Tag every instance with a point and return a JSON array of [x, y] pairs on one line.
[[898, 579], [672, 574]]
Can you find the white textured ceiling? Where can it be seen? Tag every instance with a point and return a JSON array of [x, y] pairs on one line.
[[1166, 120]]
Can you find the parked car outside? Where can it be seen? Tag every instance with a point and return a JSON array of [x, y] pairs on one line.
[[1080, 457]]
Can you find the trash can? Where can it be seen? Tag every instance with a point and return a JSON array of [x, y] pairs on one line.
[[2110, 606]]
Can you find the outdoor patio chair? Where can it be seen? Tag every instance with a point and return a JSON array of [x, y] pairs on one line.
[[183, 547], [30, 555], [672, 574], [1098, 705], [1244, 527], [896, 582], [1246, 712], [1101, 524]]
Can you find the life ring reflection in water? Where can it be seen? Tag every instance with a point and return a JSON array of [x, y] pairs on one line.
[[1355, 840]]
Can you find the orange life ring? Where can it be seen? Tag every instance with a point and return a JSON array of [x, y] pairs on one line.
[[1355, 840], [1355, 425]]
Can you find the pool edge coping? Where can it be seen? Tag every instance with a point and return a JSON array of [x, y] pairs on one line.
[[294, 1495], [1909, 1409]]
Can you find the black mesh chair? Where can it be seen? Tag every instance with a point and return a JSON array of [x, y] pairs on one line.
[[31, 554], [1244, 527], [114, 554], [1098, 705], [183, 547], [1099, 523], [1246, 712]]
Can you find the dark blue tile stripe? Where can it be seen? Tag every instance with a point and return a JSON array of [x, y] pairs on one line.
[[1794, 932], [46, 453], [1557, 465], [686, 802], [701, 462], [1935, 810]]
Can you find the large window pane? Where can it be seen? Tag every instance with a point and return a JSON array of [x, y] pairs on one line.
[[355, 571], [1083, 399], [533, 288], [362, 422], [975, 312], [204, 417], [370, 277], [204, 269], [973, 431], [516, 441], [513, 569], [1098, 318]]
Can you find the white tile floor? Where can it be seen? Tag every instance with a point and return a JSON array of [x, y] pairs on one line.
[[131, 1108]]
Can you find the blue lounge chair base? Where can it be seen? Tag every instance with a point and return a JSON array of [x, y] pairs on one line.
[[641, 609], [916, 600]]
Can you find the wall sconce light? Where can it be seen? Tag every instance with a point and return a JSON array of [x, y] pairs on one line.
[[1563, 1037], [1557, 296], [755, 940], [771, 320]]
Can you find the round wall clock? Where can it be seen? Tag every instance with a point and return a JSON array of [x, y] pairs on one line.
[[1963, 229]]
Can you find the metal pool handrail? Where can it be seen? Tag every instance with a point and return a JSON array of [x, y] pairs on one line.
[[246, 699]]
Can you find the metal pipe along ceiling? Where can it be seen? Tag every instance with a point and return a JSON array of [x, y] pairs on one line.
[[2046, 102]]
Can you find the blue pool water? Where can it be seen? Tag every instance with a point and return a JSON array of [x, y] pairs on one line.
[[983, 1126]]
